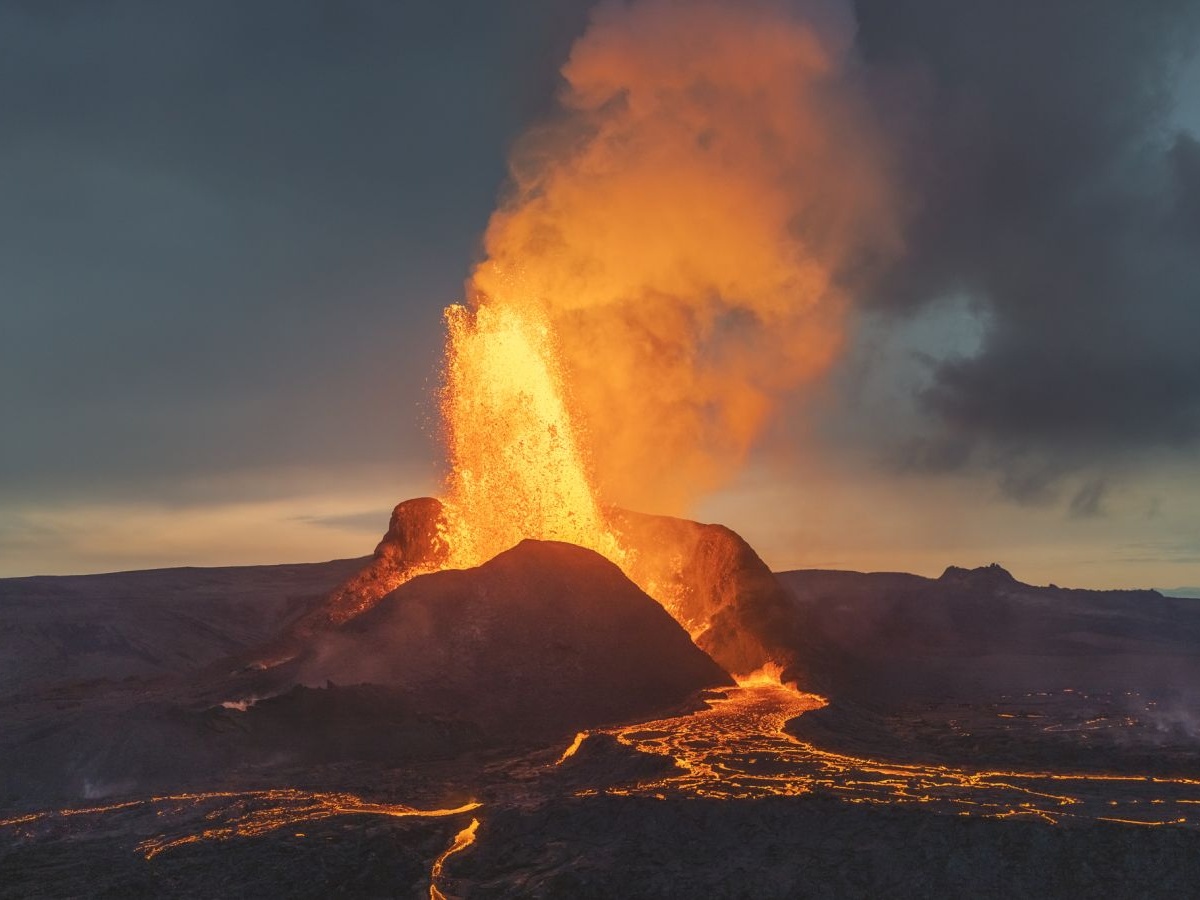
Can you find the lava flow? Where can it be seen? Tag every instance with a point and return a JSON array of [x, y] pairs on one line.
[[737, 749], [230, 814], [462, 841]]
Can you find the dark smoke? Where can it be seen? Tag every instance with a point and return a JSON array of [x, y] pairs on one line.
[[1052, 190]]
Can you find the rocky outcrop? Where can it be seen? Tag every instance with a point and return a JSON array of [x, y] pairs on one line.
[[412, 544], [719, 587], [982, 578]]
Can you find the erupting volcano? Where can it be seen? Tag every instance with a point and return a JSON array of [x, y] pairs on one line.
[[549, 681], [667, 263]]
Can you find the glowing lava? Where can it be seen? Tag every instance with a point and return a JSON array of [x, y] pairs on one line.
[[771, 675], [517, 469], [737, 749], [236, 814], [462, 841]]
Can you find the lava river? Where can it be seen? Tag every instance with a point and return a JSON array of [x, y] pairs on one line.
[[734, 749], [737, 749]]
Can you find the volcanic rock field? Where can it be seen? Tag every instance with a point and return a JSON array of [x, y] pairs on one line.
[[541, 727]]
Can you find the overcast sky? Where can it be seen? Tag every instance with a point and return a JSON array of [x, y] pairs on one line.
[[228, 230]]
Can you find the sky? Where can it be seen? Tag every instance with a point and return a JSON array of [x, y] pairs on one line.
[[228, 231]]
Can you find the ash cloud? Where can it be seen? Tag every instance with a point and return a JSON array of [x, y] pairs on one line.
[[689, 222], [1022, 159], [1055, 191]]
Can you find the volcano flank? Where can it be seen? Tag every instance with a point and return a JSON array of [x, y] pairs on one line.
[[545, 637], [710, 579]]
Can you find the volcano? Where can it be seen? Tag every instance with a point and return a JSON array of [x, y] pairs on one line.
[[714, 583], [544, 638], [398, 663]]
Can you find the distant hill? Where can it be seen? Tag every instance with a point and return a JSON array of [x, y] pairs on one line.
[[1190, 593], [982, 630], [149, 623]]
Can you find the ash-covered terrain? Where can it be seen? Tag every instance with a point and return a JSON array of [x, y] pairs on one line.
[[539, 726]]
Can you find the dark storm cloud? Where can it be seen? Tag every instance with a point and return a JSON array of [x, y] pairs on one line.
[[227, 229], [1049, 186], [1089, 499], [1185, 165]]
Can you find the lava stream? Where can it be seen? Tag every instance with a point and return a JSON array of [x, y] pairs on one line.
[[737, 749], [462, 841], [236, 814]]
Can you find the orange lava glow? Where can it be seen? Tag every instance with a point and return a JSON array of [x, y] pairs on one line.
[[737, 748], [238, 814], [516, 467], [573, 747], [770, 675], [462, 841]]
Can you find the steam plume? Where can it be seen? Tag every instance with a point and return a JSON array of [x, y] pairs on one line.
[[686, 225]]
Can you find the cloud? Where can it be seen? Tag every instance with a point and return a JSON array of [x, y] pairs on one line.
[[227, 230], [1087, 501], [687, 223], [373, 521], [1055, 191]]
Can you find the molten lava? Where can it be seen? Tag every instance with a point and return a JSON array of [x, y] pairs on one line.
[[770, 675], [462, 841], [516, 465], [666, 265], [738, 749]]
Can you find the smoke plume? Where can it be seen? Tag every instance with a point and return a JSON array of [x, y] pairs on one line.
[[688, 223]]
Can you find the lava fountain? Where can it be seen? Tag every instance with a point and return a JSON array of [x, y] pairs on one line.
[[673, 254], [517, 467]]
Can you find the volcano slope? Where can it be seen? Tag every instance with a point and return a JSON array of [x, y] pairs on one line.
[[541, 641]]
